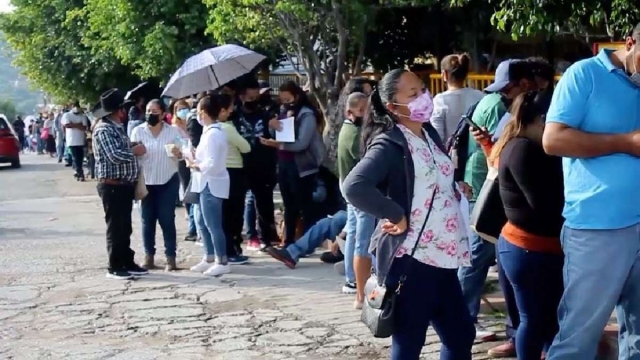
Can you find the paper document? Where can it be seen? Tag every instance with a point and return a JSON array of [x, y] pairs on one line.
[[286, 133]]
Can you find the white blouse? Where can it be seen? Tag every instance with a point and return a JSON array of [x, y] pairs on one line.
[[444, 243], [157, 166], [211, 158]]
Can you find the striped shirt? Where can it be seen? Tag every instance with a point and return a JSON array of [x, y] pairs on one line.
[[112, 151], [157, 166]]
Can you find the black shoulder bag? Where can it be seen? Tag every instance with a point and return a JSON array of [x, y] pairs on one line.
[[379, 304]]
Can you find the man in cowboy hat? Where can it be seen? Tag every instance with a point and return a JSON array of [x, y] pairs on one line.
[[117, 173]]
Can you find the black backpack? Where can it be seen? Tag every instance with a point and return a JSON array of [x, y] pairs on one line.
[[458, 145]]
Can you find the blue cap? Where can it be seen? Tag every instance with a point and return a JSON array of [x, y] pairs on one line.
[[506, 72]]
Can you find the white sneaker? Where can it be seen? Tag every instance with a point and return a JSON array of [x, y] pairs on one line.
[[217, 270], [202, 266]]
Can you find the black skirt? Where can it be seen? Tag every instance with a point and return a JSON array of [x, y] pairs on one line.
[[51, 144]]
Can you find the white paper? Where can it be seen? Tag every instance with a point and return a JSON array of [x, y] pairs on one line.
[[286, 134]]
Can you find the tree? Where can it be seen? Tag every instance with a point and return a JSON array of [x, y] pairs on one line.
[[327, 37], [586, 18], [49, 50], [8, 109], [152, 37]]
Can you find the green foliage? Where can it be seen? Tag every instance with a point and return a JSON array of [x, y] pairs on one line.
[[50, 52], [614, 18], [8, 108], [152, 36]]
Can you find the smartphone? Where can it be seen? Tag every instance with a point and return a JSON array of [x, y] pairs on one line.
[[471, 124]]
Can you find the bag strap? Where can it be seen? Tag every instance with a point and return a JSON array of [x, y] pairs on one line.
[[403, 277]]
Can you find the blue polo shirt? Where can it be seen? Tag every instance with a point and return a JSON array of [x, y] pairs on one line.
[[595, 96]]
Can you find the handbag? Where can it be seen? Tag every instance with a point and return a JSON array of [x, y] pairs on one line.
[[488, 216], [190, 197], [141, 188], [378, 308], [45, 134]]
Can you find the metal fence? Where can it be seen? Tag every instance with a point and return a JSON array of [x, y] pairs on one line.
[[434, 81]]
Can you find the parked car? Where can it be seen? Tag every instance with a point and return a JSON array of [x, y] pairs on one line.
[[9, 144]]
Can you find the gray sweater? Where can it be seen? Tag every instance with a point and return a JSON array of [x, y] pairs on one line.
[[308, 149]]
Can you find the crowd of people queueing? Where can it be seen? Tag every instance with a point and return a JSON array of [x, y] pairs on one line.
[[565, 255], [62, 132]]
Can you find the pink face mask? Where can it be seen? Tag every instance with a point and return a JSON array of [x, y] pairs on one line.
[[420, 108]]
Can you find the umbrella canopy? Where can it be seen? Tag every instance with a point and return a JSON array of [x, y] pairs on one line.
[[211, 69], [146, 90]]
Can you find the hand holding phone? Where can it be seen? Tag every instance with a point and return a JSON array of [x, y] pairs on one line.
[[471, 124]]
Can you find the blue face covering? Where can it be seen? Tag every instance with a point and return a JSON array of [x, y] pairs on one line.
[[183, 114]]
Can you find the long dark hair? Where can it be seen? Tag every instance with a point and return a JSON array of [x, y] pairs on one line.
[[302, 100], [378, 118], [526, 108]]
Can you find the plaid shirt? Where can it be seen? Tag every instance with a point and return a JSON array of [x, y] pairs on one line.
[[112, 151]]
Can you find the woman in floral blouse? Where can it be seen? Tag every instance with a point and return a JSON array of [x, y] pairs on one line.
[[406, 179]]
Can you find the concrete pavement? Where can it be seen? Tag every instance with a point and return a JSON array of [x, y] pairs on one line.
[[55, 302]]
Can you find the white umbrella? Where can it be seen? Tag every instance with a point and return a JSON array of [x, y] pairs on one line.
[[211, 69]]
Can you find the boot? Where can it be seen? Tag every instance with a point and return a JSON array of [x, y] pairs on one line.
[[171, 264], [148, 262]]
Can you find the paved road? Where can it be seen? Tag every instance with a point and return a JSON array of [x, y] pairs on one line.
[[55, 302]]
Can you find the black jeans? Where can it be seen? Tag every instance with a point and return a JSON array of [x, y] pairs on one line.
[[117, 201], [297, 196], [262, 189], [77, 154], [233, 211]]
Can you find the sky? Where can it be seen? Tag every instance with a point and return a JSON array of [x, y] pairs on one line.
[[5, 5]]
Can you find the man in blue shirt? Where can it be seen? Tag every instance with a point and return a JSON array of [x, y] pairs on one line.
[[594, 124]]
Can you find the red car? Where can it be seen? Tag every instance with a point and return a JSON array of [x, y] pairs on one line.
[[9, 144]]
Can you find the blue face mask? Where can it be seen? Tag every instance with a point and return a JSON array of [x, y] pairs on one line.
[[183, 114]]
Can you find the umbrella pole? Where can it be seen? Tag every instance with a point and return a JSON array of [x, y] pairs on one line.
[[214, 75]]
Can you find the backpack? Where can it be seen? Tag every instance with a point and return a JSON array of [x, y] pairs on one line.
[[458, 145]]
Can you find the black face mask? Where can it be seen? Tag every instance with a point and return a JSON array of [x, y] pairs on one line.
[[358, 120], [153, 119], [251, 106]]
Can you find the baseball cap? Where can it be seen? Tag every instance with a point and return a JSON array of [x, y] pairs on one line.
[[508, 71], [264, 86]]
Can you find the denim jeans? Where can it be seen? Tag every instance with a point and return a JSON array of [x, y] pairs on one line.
[[601, 272], [60, 146], [430, 295], [192, 230], [360, 226], [536, 278], [513, 317], [472, 279], [250, 215], [327, 228], [209, 222], [159, 207]]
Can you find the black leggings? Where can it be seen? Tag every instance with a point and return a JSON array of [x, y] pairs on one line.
[[233, 211], [297, 196]]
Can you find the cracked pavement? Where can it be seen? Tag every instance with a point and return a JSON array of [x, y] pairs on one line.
[[55, 302]]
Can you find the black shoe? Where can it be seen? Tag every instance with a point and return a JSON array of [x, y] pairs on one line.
[[67, 165], [191, 238], [330, 258], [238, 260], [134, 269], [119, 275], [281, 255]]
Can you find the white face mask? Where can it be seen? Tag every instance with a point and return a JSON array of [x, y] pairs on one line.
[[200, 121], [75, 109]]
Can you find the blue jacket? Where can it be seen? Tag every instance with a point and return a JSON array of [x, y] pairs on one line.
[[381, 184]]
